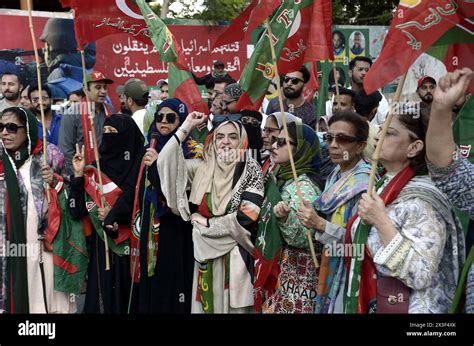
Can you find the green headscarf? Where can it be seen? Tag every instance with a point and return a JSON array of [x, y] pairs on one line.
[[17, 279], [307, 157]]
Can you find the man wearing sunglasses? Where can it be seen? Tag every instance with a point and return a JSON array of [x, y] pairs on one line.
[[294, 102]]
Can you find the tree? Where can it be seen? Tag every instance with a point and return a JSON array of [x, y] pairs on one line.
[[363, 12]]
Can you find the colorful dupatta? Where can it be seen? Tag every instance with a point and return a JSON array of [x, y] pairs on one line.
[[338, 201]]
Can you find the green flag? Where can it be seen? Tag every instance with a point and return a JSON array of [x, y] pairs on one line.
[[181, 81], [260, 69]]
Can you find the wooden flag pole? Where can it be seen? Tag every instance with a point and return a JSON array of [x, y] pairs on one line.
[[96, 152], [285, 128], [386, 124], [40, 91]]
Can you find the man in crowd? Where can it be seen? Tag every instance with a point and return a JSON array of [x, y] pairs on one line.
[[230, 97], [11, 87], [75, 125], [366, 106], [136, 98], [358, 68], [162, 85], [51, 118], [294, 102], [218, 72], [425, 90], [345, 101]]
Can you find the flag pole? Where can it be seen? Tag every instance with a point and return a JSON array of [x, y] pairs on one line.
[[96, 151], [386, 124], [40, 91], [285, 128]]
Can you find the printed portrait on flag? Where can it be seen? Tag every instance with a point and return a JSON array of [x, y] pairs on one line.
[[357, 44], [339, 45]]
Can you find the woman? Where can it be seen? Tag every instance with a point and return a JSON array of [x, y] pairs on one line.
[[346, 139], [227, 191], [297, 280], [273, 126], [166, 246], [415, 245], [120, 153], [28, 277]]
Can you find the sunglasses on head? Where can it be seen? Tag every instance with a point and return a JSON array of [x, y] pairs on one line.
[[293, 80], [11, 127], [280, 141], [230, 117], [340, 138], [170, 117]]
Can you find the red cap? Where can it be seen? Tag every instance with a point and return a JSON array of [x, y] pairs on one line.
[[97, 76], [424, 79]]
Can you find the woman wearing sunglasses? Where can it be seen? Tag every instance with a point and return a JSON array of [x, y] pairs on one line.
[[297, 279], [346, 140], [166, 261], [28, 284], [414, 242], [226, 192]]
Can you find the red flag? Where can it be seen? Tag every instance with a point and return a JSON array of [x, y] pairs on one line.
[[307, 37], [416, 27], [247, 21], [94, 20], [313, 85]]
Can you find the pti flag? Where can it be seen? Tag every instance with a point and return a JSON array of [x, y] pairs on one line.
[[247, 21], [181, 82], [301, 32], [446, 26], [96, 19]]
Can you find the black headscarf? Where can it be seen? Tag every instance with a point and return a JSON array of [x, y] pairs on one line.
[[254, 133], [121, 153]]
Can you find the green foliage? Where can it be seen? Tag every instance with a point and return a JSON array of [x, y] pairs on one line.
[[221, 9], [363, 12]]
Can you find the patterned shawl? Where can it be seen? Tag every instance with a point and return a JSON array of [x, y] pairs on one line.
[[338, 200]]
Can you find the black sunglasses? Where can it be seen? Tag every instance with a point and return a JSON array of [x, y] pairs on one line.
[[230, 117], [293, 80], [280, 141], [340, 138], [11, 127], [170, 117], [250, 121]]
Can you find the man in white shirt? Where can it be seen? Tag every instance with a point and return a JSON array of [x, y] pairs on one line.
[[136, 98]]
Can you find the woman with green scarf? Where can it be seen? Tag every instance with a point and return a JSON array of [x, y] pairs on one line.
[[28, 274], [297, 280]]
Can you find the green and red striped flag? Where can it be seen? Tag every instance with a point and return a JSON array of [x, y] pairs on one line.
[[301, 32], [445, 26], [181, 82], [267, 246]]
